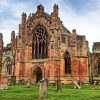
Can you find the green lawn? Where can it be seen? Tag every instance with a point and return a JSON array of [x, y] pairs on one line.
[[20, 92]]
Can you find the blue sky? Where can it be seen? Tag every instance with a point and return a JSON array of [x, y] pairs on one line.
[[82, 15]]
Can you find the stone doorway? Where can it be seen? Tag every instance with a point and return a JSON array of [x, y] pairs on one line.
[[38, 74]]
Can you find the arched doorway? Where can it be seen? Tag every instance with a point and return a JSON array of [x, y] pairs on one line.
[[38, 74]]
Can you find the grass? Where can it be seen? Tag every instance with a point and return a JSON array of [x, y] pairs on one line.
[[20, 92]]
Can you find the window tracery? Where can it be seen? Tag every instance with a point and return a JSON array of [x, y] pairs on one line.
[[39, 46]]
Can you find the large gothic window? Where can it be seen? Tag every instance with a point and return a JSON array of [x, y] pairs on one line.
[[40, 44], [67, 63]]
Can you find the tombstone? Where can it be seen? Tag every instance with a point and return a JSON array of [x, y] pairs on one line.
[[9, 82], [94, 85], [28, 83], [58, 85], [43, 85], [13, 80], [4, 83], [76, 85]]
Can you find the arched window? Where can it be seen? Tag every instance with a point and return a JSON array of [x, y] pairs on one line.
[[40, 44], [67, 63], [8, 66]]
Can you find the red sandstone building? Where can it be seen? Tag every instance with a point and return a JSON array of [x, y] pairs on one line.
[[44, 48]]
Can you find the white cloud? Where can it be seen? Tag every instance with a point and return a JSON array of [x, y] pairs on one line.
[[6, 29], [18, 9], [3, 5], [86, 24]]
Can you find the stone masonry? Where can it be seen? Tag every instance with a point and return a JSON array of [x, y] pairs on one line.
[[44, 48]]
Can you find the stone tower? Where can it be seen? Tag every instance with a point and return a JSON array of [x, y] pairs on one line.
[[13, 40], [55, 10]]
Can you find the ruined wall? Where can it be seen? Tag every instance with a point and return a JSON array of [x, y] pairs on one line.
[[96, 59]]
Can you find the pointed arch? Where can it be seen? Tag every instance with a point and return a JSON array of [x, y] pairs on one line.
[[67, 60], [38, 74], [7, 66], [40, 42]]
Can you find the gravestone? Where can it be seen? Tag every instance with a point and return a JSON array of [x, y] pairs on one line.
[[77, 86], [28, 83], [58, 85], [43, 85], [94, 85], [13, 80], [4, 83], [9, 82]]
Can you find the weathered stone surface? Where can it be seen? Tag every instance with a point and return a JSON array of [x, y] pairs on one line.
[[95, 61], [28, 83], [43, 86], [4, 83], [40, 48], [58, 85], [4, 87], [76, 85]]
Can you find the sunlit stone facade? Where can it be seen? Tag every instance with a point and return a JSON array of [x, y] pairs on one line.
[[45, 48]]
